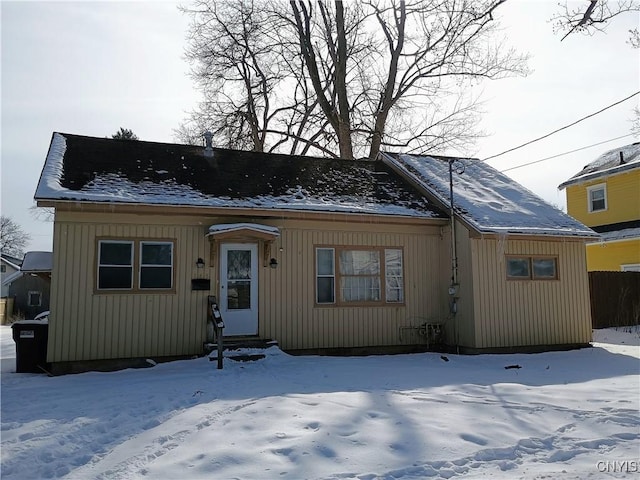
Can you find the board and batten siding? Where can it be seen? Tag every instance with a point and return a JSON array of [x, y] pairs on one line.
[[85, 325], [520, 313], [88, 326], [288, 311]]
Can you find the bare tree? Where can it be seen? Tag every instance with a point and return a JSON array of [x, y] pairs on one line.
[[351, 78], [13, 239], [594, 16]]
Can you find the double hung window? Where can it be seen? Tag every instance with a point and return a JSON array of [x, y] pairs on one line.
[[597, 198]]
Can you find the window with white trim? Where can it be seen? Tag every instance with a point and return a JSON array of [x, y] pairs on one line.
[[532, 268], [630, 267], [135, 265], [363, 275], [597, 197], [34, 299]]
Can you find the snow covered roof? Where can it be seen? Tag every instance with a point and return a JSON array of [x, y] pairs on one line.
[[103, 170], [8, 279], [37, 262], [614, 161], [487, 200], [13, 262], [222, 228], [616, 235]]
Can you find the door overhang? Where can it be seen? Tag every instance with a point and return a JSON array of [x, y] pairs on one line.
[[252, 232], [226, 231]]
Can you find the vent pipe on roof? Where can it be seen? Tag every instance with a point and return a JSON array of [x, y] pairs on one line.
[[622, 162], [208, 147]]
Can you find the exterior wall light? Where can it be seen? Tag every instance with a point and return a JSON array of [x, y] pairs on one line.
[[200, 263], [273, 263]]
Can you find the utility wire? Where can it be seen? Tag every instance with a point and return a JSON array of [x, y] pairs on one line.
[[563, 128], [566, 153]]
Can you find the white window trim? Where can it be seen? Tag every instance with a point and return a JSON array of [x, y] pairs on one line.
[[34, 292], [630, 267], [600, 186]]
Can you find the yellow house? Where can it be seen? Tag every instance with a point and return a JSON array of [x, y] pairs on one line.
[[322, 255], [605, 195]]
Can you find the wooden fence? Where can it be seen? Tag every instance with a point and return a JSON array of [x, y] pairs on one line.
[[6, 310], [615, 299]]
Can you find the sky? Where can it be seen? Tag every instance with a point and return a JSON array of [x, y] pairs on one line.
[[90, 68]]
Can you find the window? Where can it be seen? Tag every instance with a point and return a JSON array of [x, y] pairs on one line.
[[532, 268], [597, 197], [115, 265], [156, 265], [135, 265], [34, 299], [325, 275], [364, 275], [630, 267]]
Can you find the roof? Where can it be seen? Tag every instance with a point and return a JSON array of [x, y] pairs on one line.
[[8, 279], [617, 160], [35, 262], [103, 170], [617, 235], [486, 199], [11, 261]]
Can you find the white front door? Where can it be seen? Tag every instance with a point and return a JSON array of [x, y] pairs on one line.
[[239, 288]]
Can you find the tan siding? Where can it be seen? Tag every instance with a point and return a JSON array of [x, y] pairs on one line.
[[297, 324], [513, 313], [459, 329], [86, 326]]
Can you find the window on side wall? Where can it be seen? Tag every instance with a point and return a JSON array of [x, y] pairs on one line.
[[532, 268], [34, 299], [369, 276], [597, 196]]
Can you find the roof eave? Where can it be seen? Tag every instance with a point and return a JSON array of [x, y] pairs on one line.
[[238, 211], [602, 174]]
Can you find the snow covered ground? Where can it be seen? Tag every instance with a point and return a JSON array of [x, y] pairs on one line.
[[562, 415]]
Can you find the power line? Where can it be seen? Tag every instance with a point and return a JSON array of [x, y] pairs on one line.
[[566, 153], [563, 128]]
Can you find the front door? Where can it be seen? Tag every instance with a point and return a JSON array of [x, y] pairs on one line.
[[239, 288]]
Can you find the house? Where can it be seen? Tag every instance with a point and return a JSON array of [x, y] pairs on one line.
[[9, 269], [32, 290], [323, 255], [605, 195], [29, 286]]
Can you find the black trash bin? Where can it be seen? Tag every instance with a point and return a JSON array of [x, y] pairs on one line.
[[31, 345]]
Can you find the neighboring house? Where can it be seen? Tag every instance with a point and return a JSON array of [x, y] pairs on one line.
[[30, 287], [605, 195], [9, 269], [323, 255]]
